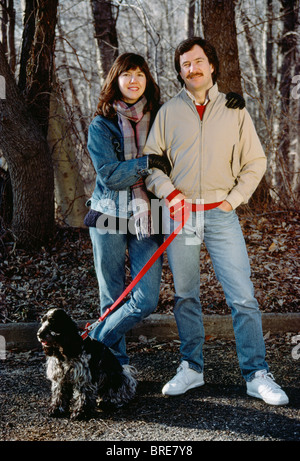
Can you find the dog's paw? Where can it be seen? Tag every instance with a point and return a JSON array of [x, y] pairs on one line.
[[107, 406], [82, 415], [58, 412]]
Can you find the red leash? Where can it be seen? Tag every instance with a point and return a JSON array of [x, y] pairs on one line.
[[180, 210]]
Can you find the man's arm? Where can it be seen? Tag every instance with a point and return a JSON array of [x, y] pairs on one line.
[[252, 160], [157, 182]]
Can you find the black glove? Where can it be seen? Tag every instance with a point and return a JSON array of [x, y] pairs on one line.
[[235, 101], [160, 162]]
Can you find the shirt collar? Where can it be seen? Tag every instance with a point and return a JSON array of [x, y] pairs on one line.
[[193, 98]]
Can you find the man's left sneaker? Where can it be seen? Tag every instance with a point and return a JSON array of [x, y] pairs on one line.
[[263, 387]]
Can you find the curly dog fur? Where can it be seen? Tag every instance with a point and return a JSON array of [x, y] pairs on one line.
[[80, 370]]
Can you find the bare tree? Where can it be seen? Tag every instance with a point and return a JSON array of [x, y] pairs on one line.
[[288, 45], [218, 16], [38, 57], [27, 39], [23, 129], [253, 56], [69, 190], [194, 26], [8, 31], [26, 152], [105, 33]]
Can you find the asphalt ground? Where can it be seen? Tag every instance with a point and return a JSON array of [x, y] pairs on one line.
[[218, 411]]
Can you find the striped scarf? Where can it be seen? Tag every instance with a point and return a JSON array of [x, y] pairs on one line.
[[134, 126]]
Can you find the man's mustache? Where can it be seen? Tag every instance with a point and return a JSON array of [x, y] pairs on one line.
[[197, 74]]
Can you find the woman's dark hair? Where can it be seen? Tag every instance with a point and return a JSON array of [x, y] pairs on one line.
[[208, 49], [111, 92]]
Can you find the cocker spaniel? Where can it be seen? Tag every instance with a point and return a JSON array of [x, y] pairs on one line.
[[81, 370]]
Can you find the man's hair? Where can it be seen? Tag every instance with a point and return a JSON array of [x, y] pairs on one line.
[[208, 49], [110, 91]]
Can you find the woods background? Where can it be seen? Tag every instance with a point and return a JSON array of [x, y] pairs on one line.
[[54, 57]]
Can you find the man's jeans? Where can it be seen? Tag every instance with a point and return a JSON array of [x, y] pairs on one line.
[[109, 260], [225, 243]]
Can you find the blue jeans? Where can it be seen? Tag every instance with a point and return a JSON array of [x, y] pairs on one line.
[[109, 259], [225, 243]]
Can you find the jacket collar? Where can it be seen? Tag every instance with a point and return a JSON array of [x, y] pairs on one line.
[[211, 95]]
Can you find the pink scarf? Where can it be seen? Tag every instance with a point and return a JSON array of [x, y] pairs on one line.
[[135, 135]]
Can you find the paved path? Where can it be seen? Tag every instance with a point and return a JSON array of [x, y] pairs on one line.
[[218, 411]]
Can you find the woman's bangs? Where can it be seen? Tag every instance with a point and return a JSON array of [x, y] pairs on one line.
[[132, 63]]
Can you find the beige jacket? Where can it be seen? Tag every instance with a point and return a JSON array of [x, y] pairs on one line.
[[215, 159]]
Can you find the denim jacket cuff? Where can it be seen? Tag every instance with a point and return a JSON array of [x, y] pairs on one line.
[[143, 168]]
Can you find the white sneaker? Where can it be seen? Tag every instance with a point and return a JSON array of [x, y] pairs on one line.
[[264, 387], [185, 379]]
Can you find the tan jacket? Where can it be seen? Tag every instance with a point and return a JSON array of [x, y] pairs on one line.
[[215, 159]]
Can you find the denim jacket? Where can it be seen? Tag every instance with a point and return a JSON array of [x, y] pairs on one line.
[[112, 193]]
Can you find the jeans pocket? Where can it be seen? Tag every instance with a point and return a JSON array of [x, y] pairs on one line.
[[224, 211]]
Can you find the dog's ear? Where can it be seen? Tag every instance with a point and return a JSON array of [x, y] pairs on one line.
[[59, 314], [70, 338], [63, 320]]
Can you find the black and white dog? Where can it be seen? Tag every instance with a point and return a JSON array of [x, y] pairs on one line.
[[81, 370]]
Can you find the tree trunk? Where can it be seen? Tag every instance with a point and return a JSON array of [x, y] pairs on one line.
[[29, 163], [255, 61], [11, 35], [6, 199], [69, 190], [39, 63], [8, 20], [191, 18], [218, 17], [24, 125], [27, 40], [288, 45], [270, 80], [105, 33]]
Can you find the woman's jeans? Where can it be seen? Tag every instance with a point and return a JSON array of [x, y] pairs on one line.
[[109, 251], [225, 243]]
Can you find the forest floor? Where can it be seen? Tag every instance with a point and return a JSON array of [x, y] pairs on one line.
[[62, 275]]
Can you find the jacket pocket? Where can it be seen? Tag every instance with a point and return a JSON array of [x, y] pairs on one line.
[[235, 161]]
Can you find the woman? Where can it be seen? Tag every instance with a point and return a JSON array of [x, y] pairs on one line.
[[119, 215]]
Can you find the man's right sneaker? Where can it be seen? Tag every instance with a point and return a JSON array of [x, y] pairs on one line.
[[263, 387], [185, 379]]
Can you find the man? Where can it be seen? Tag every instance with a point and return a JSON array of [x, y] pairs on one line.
[[217, 159]]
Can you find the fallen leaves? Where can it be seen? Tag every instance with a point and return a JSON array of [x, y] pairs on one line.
[[63, 274]]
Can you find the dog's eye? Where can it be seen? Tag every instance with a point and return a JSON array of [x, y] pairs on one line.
[[54, 333]]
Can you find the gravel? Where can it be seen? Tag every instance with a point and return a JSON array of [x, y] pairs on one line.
[[218, 411]]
